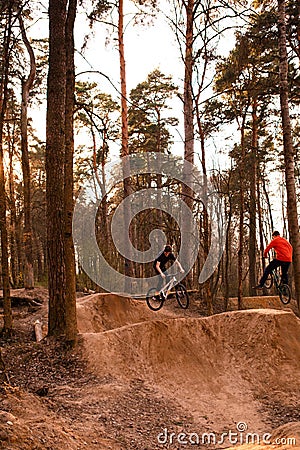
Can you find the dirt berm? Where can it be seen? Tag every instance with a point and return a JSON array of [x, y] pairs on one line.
[[223, 369]]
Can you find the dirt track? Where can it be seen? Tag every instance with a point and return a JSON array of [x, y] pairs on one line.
[[222, 369], [154, 374]]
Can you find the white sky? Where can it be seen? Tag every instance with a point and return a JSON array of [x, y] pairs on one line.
[[146, 48]]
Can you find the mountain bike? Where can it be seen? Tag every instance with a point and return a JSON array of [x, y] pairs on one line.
[[155, 299], [283, 289]]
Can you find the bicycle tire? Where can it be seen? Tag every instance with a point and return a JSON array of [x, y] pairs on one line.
[[285, 293], [182, 296], [269, 282], [154, 302]]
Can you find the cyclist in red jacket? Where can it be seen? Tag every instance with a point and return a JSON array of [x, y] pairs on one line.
[[283, 259]]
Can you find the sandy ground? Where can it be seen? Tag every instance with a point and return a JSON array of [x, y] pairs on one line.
[[148, 380]]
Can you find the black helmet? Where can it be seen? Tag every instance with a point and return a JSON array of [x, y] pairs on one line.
[[275, 233]]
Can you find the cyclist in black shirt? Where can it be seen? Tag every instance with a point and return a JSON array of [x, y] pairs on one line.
[[160, 264]]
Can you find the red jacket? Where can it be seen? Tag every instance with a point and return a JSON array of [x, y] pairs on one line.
[[283, 249]]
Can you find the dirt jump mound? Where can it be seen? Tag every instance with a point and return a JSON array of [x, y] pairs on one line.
[[223, 369], [102, 312]]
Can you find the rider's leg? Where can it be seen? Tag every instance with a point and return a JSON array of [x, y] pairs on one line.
[[272, 266], [161, 280], [284, 271]]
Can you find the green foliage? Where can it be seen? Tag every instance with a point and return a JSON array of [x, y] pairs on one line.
[[99, 113], [148, 125]]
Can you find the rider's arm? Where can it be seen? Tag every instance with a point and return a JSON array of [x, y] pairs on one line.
[[268, 248], [179, 265], [157, 266]]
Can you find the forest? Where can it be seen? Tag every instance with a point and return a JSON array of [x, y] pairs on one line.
[[228, 110]]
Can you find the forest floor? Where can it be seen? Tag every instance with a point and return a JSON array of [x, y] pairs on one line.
[[146, 380]]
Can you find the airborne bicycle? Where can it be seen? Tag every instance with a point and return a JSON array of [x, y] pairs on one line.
[[155, 299], [284, 291]]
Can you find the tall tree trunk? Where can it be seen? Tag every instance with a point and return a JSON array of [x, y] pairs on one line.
[[127, 186], [12, 207], [268, 203], [102, 226], [26, 87], [253, 206], [55, 161], [71, 317], [187, 192], [260, 225], [206, 225], [289, 153], [227, 257], [242, 214], [8, 321]]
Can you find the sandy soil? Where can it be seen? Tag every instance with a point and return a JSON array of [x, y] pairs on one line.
[[143, 380]]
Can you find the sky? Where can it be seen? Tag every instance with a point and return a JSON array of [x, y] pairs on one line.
[[146, 48]]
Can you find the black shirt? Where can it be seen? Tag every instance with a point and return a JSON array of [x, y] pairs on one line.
[[163, 259]]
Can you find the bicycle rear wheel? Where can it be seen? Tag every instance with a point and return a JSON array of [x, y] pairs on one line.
[[285, 293], [154, 300], [182, 296], [269, 282]]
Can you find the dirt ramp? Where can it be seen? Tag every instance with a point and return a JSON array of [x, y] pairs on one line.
[[101, 312], [217, 367], [265, 301], [255, 342]]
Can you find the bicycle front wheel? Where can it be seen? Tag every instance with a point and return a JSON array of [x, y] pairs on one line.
[[285, 293], [154, 300], [182, 296]]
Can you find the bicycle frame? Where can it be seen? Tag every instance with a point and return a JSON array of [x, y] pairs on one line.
[[155, 299], [276, 278], [167, 287]]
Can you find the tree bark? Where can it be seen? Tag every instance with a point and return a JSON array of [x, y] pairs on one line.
[[253, 205], [4, 73], [26, 87], [187, 192], [260, 225], [242, 213], [206, 225], [268, 203], [289, 153], [71, 317], [13, 239], [127, 186], [55, 161]]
